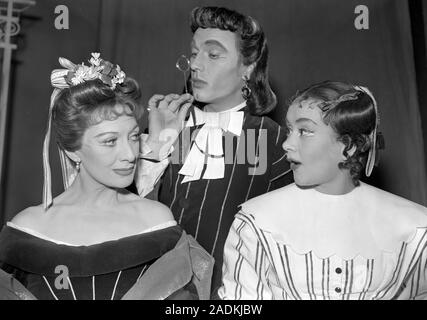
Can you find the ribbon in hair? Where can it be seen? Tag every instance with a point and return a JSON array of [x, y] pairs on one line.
[[373, 136]]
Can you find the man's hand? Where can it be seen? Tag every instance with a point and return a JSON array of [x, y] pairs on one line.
[[166, 120]]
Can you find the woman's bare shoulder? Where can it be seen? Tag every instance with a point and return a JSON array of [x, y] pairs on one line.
[[152, 210], [30, 217]]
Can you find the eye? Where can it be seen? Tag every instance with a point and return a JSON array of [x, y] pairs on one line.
[[288, 131], [134, 137], [110, 142], [213, 55], [193, 55], [305, 132]]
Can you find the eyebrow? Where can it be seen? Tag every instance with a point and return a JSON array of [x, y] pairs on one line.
[[105, 133], [209, 42], [299, 120], [215, 43], [113, 132]]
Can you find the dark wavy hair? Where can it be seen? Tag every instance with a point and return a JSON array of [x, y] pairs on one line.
[[253, 49], [351, 114], [86, 104]]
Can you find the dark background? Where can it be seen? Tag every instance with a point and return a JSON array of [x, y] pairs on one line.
[[309, 40]]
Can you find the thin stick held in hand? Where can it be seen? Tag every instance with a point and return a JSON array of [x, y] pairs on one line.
[[183, 65]]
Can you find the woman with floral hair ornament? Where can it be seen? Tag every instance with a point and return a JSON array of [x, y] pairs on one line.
[[328, 235], [96, 240]]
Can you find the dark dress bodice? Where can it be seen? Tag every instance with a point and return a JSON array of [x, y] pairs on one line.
[[101, 271]]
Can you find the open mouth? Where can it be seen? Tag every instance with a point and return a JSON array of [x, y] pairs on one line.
[[294, 164]]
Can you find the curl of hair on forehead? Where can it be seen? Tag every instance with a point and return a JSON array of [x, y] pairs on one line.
[[252, 46], [89, 103], [351, 114]]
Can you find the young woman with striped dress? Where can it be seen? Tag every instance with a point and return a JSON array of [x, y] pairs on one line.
[[328, 235]]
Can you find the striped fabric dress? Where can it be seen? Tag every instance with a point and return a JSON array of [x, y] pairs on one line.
[[365, 245], [206, 208]]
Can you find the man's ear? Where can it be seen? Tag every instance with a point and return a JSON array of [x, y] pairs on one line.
[[249, 69], [73, 156]]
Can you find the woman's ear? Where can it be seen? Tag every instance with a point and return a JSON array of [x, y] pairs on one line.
[[73, 156]]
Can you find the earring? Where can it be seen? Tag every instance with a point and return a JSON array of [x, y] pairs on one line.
[[246, 91], [78, 166]]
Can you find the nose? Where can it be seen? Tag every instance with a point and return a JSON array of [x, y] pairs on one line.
[[128, 151], [196, 63], [289, 145]]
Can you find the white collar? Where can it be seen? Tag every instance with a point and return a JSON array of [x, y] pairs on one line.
[[236, 108], [366, 221], [207, 145]]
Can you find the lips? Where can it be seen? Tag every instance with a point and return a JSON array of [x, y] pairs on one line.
[[294, 166], [124, 171], [293, 163], [197, 83]]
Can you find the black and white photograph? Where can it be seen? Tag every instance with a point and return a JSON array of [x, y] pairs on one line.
[[232, 151]]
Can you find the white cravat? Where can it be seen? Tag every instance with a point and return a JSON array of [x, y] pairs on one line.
[[208, 142]]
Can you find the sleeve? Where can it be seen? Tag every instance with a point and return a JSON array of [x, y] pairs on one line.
[[148, 175], [415, 285], [149, 171], [280, 172], [11, 288], [188, 292], [245, 266]]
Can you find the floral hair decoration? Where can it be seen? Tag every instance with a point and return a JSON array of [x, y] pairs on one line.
[[73, 74]]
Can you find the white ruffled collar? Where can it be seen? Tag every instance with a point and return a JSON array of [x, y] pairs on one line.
[[207, 147], [366, 221]]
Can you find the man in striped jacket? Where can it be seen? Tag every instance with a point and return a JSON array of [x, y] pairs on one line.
[[229, 152]]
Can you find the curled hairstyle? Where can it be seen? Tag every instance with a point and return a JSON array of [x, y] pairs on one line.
[[89, 103], [253, 49], [351, 114]]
